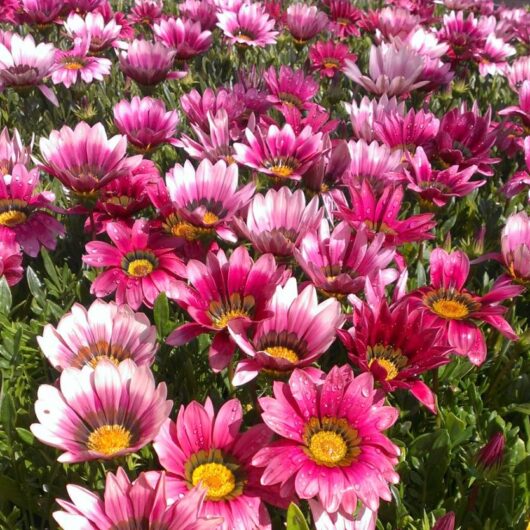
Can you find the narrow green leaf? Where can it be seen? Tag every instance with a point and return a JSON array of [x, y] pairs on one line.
[[5, 297], [161, 313], [25, 435], [296, 519]]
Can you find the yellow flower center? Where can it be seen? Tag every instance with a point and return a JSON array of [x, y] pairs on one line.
[[209, 218], [280, 352], [12, 218], [73, 64], [109, 440], [218, 480], [281, 171], [331, 63], [382, 228], [139, 268], [98, 358], [328, 447], [392, 360], [450, 309], [222, 321]]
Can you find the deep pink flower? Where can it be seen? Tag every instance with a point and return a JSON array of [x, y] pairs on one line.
[[145, 122], [328, 58], [40, 12], [454, 309], [8, 11], [12, 151], [138, 266], [222, 290], [146, 12], [380, 215], [515, 246], [493, 55], [10, 257], [184, 36], [331, 445], [84, 159], [315, 117], [344, 17], [446, 522], [290, 87], [491, 456], [299, 331], [83, 6], [95, 30], [208, 448], [522, 111], [102, 412], [23, 211], [203, 11], [142, 503], [304, 21], [104, 331], [338, 261]]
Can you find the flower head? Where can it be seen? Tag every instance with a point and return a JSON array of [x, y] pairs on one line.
[[10, 257], [12, 151], [184, 36], [305, 22], [344, 18], [40, 12], [93, 29], [203, 11], [515, 246], [490, 457], [328, 58], [289, 87]]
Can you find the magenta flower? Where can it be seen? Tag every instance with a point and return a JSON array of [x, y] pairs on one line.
[[328, 58], [305, 22], [104, 331], [491, 456], [220, 291], [202, 11], [140, 503], [278, 221], [518, 72], [84, 159], [331, 447], [522, 111], [446, 522], [249, 25], [23, 211], [184, 36], [93, 29], [102, 412], [380, 215], [515, 246], [520, 180], [454, 309], [40, 12], [437, 187], [146, 12], [290, 87], [338, 262], [10, 257], [138, 265], [344, 18], [145, 122], [299, 331], [202, 447], [24, 64], [391, 22], [280, 153], [12, 151], [492, 57]]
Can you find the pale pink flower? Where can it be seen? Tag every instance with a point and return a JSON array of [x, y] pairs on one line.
[[95, 30], [184, 36]]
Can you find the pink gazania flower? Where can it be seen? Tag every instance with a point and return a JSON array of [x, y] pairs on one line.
[[426, 43], [280, 153], [146, 12], [202, 11], [93, 29], [364, 520], [24, 64], [515, 246], [126, 504], [145, 122], [290, 87], [40, 12], [299, 331], [396, 344], [332, 448], [104, 331], [391, 22], [139, 266], [202, 447], [380, 215], [75, 64], [438, 187], [10, 257], [518, 72], [339, 261], [328, 58], [249, 25], [83, 6], [316, 118], [220, 291], [148, 63], [446, 522], [520, 181], [305, 22], [8, 11], [102, 412], [23, 211], [493, 55], [521, 111], [12, 151], [344, 17], [184, 36], [491, 456], [84, 159], [278, 221], [454, 309]]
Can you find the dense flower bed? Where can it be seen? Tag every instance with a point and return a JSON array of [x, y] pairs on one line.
[[264, 264]]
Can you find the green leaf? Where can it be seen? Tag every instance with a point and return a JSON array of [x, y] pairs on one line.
[[35, 286], [25, 435], [161, 314], [296, 519], [5, 297]]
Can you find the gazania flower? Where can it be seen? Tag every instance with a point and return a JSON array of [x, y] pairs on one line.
[[8, 11], [490, 457], [249, 25], [83, 6], [515, 246], [278, 221], [102, 412], [365, 520], [23, 211], [438, 187], [202, 447], [184, 36], [493, 55], [328, 58], [338, 261], [518, 72], [522, 111], [133, 505], [344, 18], [332, 448], [396, 344], [84, 159], [220, 291], [280, 153], [40, 12], [93, 29], [145, 122], [380, 215], [12, 151], [10, 257], [75, 64], [148, 63], [454, 309], [138, 266], [393, 70], [104, 331], [305, 22], [391, 22], [290, 87], [203, 11], [446, 522], [24, 64], [520, 180], [146, 12], [299, 331]]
